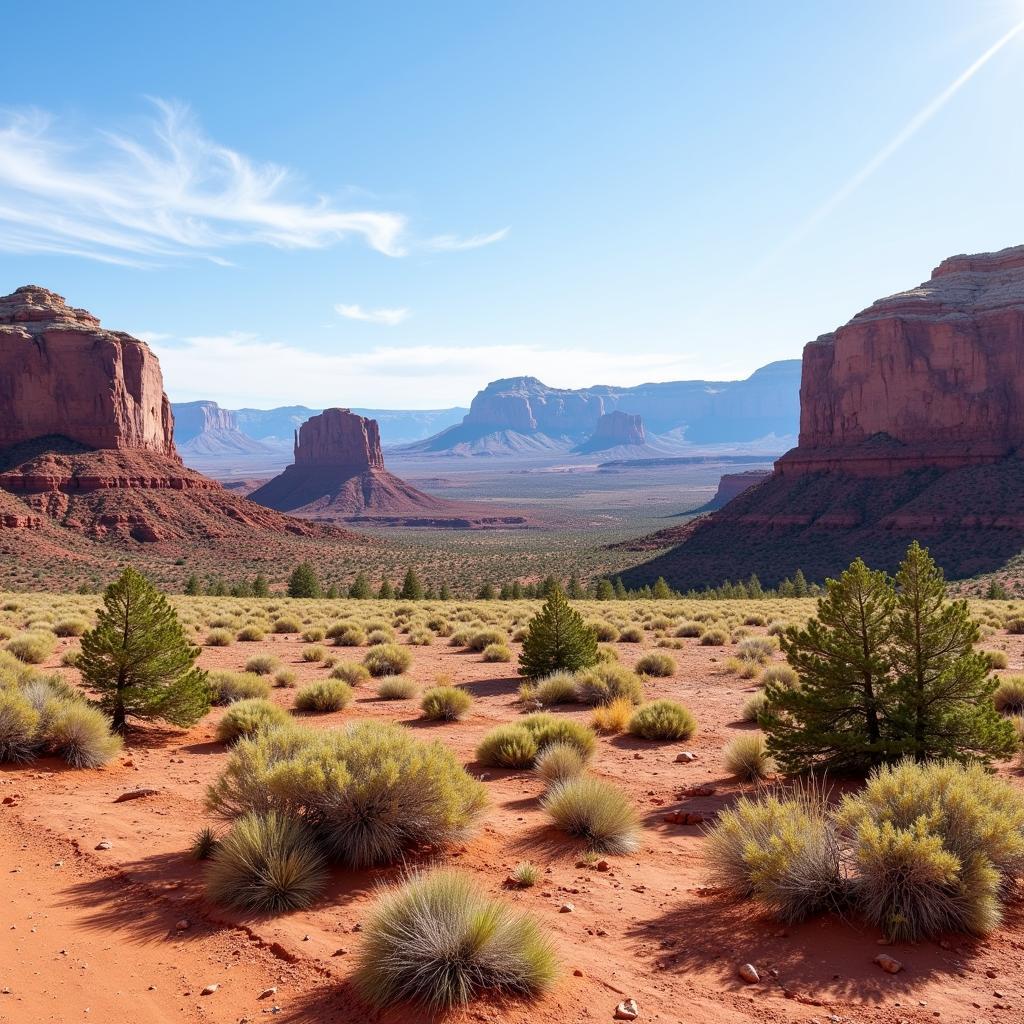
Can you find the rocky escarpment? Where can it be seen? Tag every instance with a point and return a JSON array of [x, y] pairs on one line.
[[62, 373], [205, 430], [338, 438], [613, 430], [731, 485], [911, 426]]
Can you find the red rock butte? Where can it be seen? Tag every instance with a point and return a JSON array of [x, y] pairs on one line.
[[338, 437], [911, 426]]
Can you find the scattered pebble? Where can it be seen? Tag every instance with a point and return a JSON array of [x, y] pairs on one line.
[[268, 992], [888, 963], [135, 794], [567, 908], [748, 972], [208, 990], [627, 1010], [104, 845], [686, 757]]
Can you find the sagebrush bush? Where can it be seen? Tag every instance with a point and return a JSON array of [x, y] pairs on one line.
[[654, 664], [614, 717], [1008, 696], [497, 653], [371, 790], [387, 660], [663, 720], [507, 746], [263, 664], [250, 634], [396, 688], [557, 688], [32, 648], [228, 687], [439, 941], [560, 761], [714, 637], [219, 638], [267, 863], [80, 733], [747, 758], [596, 812], [601, 684], [324, 695], [245, 717], [350, 672], [445, 703], [548, 729]]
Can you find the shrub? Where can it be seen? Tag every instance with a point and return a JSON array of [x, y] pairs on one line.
[[557, 639], [1008, 696], [263, 664], [595, 811], [934, 848], [246, 717], [80, 734], [396, 688], [747, 758], [1015, 626], [606, 654], [507, 746], [663, 720], [779, 675], [439, 941], [347, 636], [714, 637], [753, 707], [313, 635], [285, 677], [19, 725], [267, 863], [631, 635], [287, 624], [689, 629], [996, 659], [654, 664], [497, 652], [32, 648], [557, 688], [614, 717], [445, 703], [379, 636], [324, 695], [757, 648], [219, 638], [604, 631], [483, 638], [371, 790], [250, 634], [754, 620], [204, 842], [604, 683], [525, 874], [560, 761], [777, 628], [350, 672], [387, 660], [547, 729], [424, 638], [313, 654], [227, 687], [71, 627]]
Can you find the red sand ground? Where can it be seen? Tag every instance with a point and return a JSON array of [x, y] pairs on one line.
[[90, 935]]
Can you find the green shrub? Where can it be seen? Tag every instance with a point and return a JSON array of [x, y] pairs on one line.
[[596, 812], [245, 717], [605, 683], [547, 730], [323, 696], [350, 672], [250, 634], [80, 734], [747, 758], [366, 814], [204, 842], [996, 659], [347, 636], [32, 648], [387, 660], [661, 665], [219, 638], [445, 703], [483, 638], [313, 635], [1008, 696], [663, 720], [560, 761], [396, 688], [287, 624], [440, 942], [285, 677], [558, 688], [757, 648], [714, 637], [507, 746], [314, 653], [557, 639], [263, 664], [71, 627], [228, 687], [19, 725], [496, 653], [525, 874], [267, 863]]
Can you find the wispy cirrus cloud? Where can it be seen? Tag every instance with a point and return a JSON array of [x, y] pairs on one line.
[[388, 317], [453, 243], [165, 193]]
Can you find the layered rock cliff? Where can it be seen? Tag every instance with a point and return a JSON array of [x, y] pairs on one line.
[[911, 426], [61, 373], [339, 438], [615, 429]]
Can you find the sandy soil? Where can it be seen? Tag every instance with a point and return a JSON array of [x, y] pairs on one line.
[[91, 935]]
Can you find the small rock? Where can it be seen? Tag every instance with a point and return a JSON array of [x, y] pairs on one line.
[[889, 964], [603, 865], [627, 1010], [748, 972], [135, 794], [104, 845], [183, 925], [208, 990], [567, 908], [339, 952], [268, 992], [686, 757], [577, 973]]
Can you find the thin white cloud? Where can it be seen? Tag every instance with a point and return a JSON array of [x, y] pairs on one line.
[[170, 193], [388, 317], [245, 370], [452, 243]]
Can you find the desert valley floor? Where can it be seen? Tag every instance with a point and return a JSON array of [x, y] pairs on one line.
[[106, 919]]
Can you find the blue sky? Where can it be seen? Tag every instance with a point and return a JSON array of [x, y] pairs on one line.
[[390, 204]]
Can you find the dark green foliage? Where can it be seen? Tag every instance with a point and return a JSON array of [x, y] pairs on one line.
[[260, 587], [360, 589], [412, 588], [192, 586], [557, 639], [304, 581], [139, 660]]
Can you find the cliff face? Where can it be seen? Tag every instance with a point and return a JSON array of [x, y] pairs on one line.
[[615, 429], [338, 437], [911, 427], [194, 418], [61, 373]]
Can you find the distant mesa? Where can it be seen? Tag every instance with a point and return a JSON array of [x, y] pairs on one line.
[[205, 429], [616, 430], [730, 485], [911, 426], [339, 474]]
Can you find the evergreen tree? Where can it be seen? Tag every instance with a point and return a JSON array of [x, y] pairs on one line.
[[557, 638], [412, 588], [505, 594], [360, 589], [754, 588], [620, 589], [386, 592], [517, 590], [193, 588], [799, 584], [486, 592], [304, 581], [260, 587], [548, 585], [139, 659], [943, 684], [661, 589], [836, 716], [430, 594], [218, 588], [575, 591], [444, 593], [605, 590], [332, 592], [996, 591]]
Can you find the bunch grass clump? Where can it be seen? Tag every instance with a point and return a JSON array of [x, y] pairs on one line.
[[663, 720], [601, 684], [263, 664], [446, 703], [396, 688], [596, 812], [656, 664], [228, 687], [612, 718], [323, 696], [557, 688], [1008, 696], [245, 717], [560, 761], [507, 746], [387, 659], [747, 757], [350, 672]]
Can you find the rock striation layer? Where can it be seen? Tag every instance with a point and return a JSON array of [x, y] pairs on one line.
[[911, 426], [615, 429], [338, 438]]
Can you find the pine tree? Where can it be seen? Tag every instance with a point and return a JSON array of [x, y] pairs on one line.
[[661, 590], [218, 588], [360, 589], [331, 593], [836, 716], [557, 638], [575, 590], [517, 590], [260, 587], [799, 584], [445, 593], [486, 592], [193, 588], [605, 590], [412, 588], [304, 581], [620, 589], [943, 684], [139, 659], [386, 592]]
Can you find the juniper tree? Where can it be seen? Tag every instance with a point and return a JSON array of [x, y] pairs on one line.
[[837, 716], [386, 591], [412, 588], [260, 587], [193, 588], [139, 660], [943, 685], [360, 588], [557, 638], [304, 581]]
